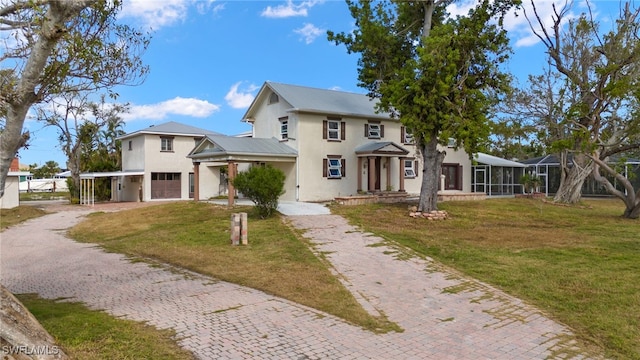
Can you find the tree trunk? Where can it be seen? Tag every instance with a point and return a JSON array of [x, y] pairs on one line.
[[431, 165], [572, 178], [11, 138], [630, 196]]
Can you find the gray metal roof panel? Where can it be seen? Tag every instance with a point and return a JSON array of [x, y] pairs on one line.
[[245, 145], [172, 127], [309, 99], [496, 161]]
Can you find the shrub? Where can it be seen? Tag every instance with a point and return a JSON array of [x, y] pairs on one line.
[[263, 185]]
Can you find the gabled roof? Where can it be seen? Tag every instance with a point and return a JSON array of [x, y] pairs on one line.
[[320, 101], [224, 148], [381, 148], [171, 128], [487, 159]]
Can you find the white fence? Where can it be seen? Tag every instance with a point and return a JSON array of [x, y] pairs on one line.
[[39, 185]]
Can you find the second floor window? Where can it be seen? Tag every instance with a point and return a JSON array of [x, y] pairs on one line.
[[284, 129], [374, 131], [333, 130], [166, 144]]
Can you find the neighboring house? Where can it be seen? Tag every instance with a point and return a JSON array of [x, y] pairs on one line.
[[547, 168], [11, 197], [329, 144]]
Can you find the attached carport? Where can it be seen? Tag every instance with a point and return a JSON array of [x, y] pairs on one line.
[[230, 151], [88, 184]]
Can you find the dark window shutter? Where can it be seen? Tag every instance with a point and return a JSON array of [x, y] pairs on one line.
[[366, 130], [459, 182], [324, 167], [344, 167], [342, 130], [324, 129], [401, 134], [415, 166], [381, 131]]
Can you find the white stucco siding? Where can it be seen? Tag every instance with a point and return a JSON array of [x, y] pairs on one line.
[[175, 161], [210, 182], [11, 197], [133, 150]]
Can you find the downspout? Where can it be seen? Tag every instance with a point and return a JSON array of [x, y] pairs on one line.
[[297, 179]]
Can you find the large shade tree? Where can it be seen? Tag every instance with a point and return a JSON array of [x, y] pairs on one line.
[[87, 133], [53, 47], [601, 74], [439, 74]]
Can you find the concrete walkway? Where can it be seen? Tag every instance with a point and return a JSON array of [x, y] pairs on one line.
[[443, 314]]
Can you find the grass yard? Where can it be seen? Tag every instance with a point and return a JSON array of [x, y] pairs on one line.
[[44, 195], [195, 236], [11, 217], [95, 335], [580, 264]]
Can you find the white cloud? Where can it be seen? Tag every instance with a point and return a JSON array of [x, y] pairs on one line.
[[289, 9], [156, 13], [240, 99], [176, 106], [309, 32]]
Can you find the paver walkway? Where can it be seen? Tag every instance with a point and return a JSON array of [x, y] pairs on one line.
[[444, 316]]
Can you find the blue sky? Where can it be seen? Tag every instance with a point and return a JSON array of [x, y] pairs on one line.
[[209, 58]]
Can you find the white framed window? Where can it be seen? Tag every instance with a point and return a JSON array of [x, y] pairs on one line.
[[374, 131], [452, 143], [409, 169], [284, 129], [334, 168], [333, 130], [408, 138], [166, 144]]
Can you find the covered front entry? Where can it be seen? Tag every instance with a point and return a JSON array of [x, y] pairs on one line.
[[233, 151], [377, 162]]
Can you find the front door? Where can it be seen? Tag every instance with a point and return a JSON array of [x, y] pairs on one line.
[[451, 177]]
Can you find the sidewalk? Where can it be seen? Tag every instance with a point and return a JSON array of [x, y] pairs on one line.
[[218, 320]]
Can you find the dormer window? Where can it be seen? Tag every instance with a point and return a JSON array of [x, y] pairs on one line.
[[273, 98]]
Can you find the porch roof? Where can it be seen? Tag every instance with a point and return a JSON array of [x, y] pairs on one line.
[[218, 148], [491, 160], [381, 148], [93, 175]]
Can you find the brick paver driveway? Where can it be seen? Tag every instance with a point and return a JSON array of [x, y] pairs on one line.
[[444, 315]]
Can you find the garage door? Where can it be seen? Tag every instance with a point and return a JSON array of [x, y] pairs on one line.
[[165, 185]]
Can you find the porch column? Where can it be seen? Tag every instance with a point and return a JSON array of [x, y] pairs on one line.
[[401, 185], [372, 174], [388, 173], [231, 170], [359, 174], [196, 181]]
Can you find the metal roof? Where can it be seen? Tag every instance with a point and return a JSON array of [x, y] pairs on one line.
[[217, 145], [307, 99], [171, 128], [92, 175], [487, 159], [380, 148]]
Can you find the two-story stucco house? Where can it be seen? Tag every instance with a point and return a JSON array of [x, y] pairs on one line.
[[328, 143], [154, 164]]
